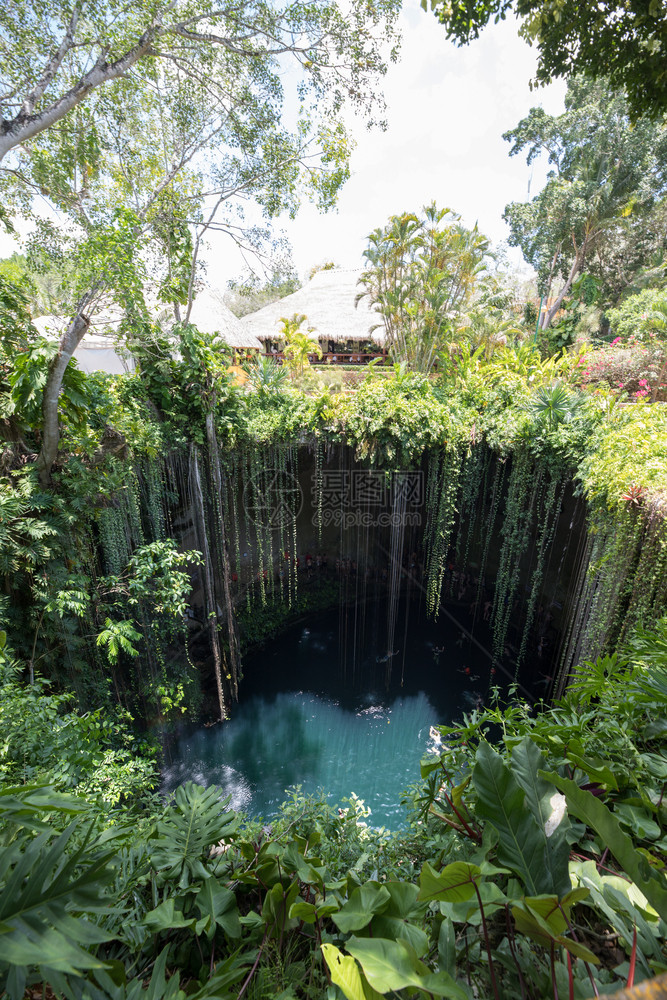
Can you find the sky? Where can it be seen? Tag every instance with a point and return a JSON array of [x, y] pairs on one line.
[[447, 109]]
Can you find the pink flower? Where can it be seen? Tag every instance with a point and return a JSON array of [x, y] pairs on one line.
[[616, 340]]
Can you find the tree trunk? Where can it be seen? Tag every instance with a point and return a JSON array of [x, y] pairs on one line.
[[26, 126], [50, 427], [550, 313]]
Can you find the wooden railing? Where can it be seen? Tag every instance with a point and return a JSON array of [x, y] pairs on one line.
[[335, 357]]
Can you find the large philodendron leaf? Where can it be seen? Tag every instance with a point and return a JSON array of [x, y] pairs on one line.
[[548, 809], [393, 965], [522, 842], [401, 916], [595, 814], [454, 884], [47, 889], [193, 823], [217, 906]]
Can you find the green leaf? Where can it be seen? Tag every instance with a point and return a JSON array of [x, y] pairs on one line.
[[454, 884], [501, 800], [428, 764], [345, 973], [541, 919], [393, 965], [277, 904], [217, 903], [363, 904], [447, 947], [595, 814], [638, 820], [49, 893], [394, 921], [166, 917], [596, 768], [388, 965], [192, 824], [552, 820], [301, 910]]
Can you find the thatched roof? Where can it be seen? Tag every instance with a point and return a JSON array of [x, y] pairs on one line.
[[98, 351], [327, 300], [210, 314]]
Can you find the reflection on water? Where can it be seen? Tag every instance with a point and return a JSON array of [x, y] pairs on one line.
[[319, 708], [303, 738]]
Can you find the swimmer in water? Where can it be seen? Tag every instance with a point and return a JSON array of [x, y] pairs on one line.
[[435, 736], [385, 659]]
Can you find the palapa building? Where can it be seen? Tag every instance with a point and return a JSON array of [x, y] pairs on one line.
[[101, 349], [347, 333], [210, 315]]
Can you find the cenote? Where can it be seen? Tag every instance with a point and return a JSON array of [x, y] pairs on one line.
[[325, 707], [327, 584]]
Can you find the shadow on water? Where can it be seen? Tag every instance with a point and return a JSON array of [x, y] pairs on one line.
[[327, 710]]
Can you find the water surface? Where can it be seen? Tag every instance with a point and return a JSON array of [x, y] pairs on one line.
[[329, 707]]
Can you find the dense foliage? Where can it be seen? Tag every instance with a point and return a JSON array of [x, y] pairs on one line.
[[532, 867], [136, 895], [534, 854], [599, 212], [421, 273]]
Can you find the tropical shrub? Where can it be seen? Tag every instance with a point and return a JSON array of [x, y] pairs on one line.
[[632, 369], [638, 317]]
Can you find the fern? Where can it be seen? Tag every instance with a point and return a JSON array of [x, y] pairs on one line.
[[118, 637]]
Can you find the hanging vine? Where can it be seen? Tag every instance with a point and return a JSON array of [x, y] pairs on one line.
[[442, 487], [522, 492]]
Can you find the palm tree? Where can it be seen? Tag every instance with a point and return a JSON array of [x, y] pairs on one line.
[[298, 344], [553, 404], [420, 274]]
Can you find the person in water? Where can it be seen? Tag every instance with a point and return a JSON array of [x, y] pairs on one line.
[[384, 659]]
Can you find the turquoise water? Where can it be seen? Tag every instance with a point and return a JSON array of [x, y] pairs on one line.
[[318, 709], [304, 738]]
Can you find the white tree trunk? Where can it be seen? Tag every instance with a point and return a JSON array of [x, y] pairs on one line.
[[50, 427], [549, 314]]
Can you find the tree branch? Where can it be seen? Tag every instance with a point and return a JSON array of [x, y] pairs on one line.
[[52, 65], [26, 126]]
